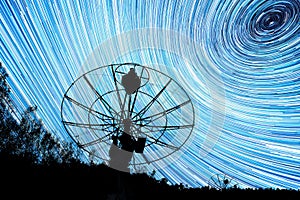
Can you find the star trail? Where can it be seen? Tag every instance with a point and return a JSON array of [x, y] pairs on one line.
[[237, 61]]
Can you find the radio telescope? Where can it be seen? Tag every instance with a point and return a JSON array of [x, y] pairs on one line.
[[222, 182], [128, 115]]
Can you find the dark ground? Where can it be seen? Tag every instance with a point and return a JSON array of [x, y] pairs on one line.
[[22, 180]]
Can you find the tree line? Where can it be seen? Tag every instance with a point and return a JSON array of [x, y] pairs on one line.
[[27, 138], [35, 164]]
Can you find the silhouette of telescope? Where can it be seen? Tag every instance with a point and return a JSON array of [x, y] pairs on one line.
[[125, 114]]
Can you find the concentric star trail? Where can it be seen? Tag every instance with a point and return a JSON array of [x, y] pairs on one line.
[[239, 62]]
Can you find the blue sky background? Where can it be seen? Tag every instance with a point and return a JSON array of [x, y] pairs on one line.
[[239, 62]]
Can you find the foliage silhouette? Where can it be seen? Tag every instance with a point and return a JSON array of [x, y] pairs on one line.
[[34, 164]]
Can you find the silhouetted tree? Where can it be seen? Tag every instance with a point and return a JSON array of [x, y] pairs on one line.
[[8, 125], [28, 138], [4, 88]]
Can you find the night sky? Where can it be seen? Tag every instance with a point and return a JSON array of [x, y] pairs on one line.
[[233, 66]]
